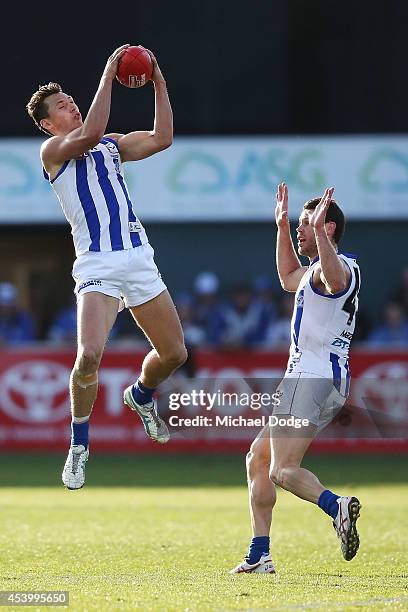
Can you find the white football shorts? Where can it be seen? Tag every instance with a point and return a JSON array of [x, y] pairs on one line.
[[309, 396], [130, 275]]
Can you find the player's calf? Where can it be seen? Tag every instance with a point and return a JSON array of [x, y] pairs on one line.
[[261, 490], [83, 389], [262, 498]]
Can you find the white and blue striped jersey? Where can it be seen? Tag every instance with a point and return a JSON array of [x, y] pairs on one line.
[[323, 326], [95, 200]]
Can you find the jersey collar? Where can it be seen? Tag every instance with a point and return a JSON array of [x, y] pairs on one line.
[[349, 255]]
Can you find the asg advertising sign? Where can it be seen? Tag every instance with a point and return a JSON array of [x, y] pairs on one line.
[[210, 179]]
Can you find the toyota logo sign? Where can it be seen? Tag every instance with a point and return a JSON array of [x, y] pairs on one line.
[[35, 391], [384, 387]]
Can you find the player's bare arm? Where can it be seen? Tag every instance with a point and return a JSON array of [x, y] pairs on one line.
[[332, 275], [290, 269], [139, 145], [60, 148]]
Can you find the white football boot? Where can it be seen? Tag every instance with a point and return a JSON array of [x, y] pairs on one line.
[[264, 566], [153, 424], [345, 526], [73, 474]]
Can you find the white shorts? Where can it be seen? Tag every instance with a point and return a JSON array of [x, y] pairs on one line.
[[130, 275], [309, 396]]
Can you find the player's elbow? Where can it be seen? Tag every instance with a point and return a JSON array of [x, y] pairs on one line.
[[337, 287], [286, 284], [164, 142]]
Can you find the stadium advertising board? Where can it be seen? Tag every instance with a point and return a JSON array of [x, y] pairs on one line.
[[34, 403], [210, 179]]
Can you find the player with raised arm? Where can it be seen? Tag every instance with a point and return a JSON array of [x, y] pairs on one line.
[[317, 378], [114, 260]]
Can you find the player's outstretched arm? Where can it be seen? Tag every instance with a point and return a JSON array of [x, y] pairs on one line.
[[58, 149], [331, 272], [139, 145], [290, 270]]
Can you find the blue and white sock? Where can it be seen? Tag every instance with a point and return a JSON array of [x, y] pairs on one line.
[[328, 503], [80, 431], [141, 394], [259, 546]]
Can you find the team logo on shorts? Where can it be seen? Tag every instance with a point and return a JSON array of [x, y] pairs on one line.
[[92, 282]]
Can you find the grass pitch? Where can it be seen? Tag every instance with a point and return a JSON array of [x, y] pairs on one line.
[[161, 533]]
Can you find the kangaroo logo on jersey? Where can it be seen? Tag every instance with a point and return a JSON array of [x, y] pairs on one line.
[[111, 147], [300, 299], [117, 165]]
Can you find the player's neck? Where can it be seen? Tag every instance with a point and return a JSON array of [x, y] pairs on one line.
[[62, 133], [315, 255]]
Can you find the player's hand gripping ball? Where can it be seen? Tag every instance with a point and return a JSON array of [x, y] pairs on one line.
[[135, 67]]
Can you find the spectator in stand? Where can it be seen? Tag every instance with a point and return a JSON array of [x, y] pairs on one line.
[[126, 332], [16, 326], [394, 331], [265, 295], [63, 329], [194, 335], [363, 326], [245, 319], [278, 334], [401, 295], [208, 311]]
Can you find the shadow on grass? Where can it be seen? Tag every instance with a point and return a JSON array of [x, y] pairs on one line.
[[28, 470]]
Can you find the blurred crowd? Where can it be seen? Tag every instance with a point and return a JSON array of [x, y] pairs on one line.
[[253, 315]]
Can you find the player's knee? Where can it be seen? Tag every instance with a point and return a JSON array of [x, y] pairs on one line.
[[256, 462], [278, 474], [88, 361], [176, 356]]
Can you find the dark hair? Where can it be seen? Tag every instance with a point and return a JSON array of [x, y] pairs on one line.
[[334, 213], [37, 107]]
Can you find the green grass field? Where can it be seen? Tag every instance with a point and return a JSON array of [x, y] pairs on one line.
[[161, 533]]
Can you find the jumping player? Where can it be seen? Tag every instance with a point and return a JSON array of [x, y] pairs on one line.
[[317, 377], [114, 261]]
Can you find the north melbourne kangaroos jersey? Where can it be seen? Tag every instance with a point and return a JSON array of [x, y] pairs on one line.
[[95, 200], [323, 326]]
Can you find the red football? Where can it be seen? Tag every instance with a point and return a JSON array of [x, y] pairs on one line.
[[135, 67]]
